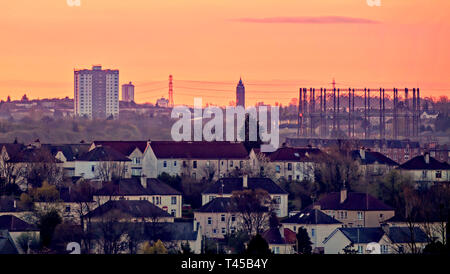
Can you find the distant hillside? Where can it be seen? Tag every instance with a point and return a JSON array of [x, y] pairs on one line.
[[50, 130]]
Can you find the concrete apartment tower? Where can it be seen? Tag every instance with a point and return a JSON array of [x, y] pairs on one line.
[[128, 92], [96, 93], [240, 94]]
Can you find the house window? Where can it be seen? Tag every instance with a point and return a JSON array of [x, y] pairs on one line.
[[384, 249], [277, 169], [174, 200], [277, 200], [232, 229], [174, 163], [194, 175], [209, 220], [215, 231], [222, 217], [289, 166], [360, 249], [438, 174], [68, 208], [156, 200], [173, 212], [360, 215], [165, 163], [313, 232], [223, 230], [424, 174], [184, 164], [241, 164], [233, 218], [137, 160], [231, 163], [194, 165], [221, 163], [93, 168], [276, 250]]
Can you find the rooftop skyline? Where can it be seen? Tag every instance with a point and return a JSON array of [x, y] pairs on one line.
[[276, 46]]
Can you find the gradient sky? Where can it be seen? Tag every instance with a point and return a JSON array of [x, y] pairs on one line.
[[276, 46]]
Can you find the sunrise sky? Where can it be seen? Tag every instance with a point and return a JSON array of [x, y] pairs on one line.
[[276, 46]]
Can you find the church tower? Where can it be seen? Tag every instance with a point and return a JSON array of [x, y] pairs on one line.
[[240, 94]]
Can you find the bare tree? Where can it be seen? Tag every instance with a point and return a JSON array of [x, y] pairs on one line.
[[110, 170], [254, 208]]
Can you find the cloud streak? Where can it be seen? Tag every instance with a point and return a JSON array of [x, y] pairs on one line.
[[308, 20]]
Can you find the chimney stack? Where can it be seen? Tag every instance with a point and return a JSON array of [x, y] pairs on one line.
[[343, 195], [144, 181], [427, 158], [362, 153], [245, 181]]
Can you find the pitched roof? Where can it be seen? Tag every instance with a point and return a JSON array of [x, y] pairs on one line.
[[156, 187], [371, 157], [12, 223], [137, 209], [362, 235], [236, 184], [133, 186], [310, 216], [273, 236], [405, 235], [419, 162], [294, 154], [7, 245], [198, 150], [354, 201], [124, 147], [33, 155], [217, 205], [71, 151], [103, 153]]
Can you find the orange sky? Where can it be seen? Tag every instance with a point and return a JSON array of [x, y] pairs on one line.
[[277, 46]]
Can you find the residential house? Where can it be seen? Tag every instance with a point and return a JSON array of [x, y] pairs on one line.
[[100, 162], [281, 240], [290, 163], [355, 209], [148, 189], [426, 170], [355, 239], [224, 187], [128, 211], [366, 240], [209, 160], [217, 218], [173, 235], [132, 149], [433, 226], [318, 225], [68, 154], [373, 163]]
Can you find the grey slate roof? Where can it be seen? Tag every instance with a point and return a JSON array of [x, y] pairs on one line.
[[363, 235], [404, 235], [7, 245], [310, 216], [418, 163], [133, 187], [217, 205], [236, 184], [136, 209], [354, 201], [103, 153], [370, 157]]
